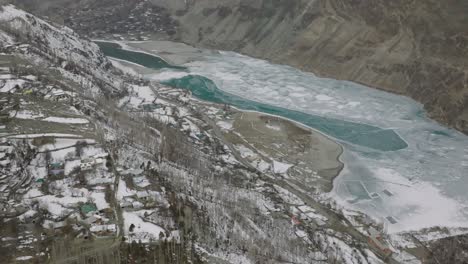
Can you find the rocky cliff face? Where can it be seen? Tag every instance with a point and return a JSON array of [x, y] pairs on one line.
[[413, 47]]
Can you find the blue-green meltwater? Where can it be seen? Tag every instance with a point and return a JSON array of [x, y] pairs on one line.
[[355, 133]]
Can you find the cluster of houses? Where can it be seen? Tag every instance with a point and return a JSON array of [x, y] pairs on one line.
[[57, 168], [141, 197], [96, 221], [29, 84], [89, 163], [91, 223], [94, 215]]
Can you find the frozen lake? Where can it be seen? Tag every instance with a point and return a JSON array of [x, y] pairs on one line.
[[401, 167]]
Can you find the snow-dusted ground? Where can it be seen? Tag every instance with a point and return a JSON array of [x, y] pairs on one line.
[[59, 135], [166, 75], [125, 69], [224, 125], [143, 231], [25, 114], [10, 84], [66, 120], [280, 167], [100, 201]]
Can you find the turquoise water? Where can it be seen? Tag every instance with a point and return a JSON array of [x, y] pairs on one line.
[[114, 50], [354, 133]]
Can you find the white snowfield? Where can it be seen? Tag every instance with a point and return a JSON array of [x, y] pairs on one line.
[[280, 167], [59, 206], [25, 114], [143, 231], [57, 135], [10, 84], [66, 120], [100, 201], [225, 125]]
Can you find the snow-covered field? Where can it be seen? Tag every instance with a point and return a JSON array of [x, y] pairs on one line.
[[66, 120], [142, 230]]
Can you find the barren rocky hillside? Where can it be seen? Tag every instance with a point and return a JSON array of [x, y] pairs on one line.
[[413, 47]]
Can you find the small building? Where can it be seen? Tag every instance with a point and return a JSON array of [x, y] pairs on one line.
[[53, 225], [141, 181], [87, 208], [94, 219], [58, 95], [143, 195], [103, 229], [101, 155], [376, 240], [320, 222], [126, 204], [87, 164], [38, 182], [56, 169], [77, 193], [137, 205]]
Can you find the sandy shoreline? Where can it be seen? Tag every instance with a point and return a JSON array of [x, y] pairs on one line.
[[312, 153]]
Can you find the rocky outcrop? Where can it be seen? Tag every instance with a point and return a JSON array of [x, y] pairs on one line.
[[413, 47]]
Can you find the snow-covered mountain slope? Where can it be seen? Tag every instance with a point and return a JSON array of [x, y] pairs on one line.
[[78, 59], [153, 161]]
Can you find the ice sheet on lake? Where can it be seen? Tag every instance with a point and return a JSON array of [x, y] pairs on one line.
[[428, 179]]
